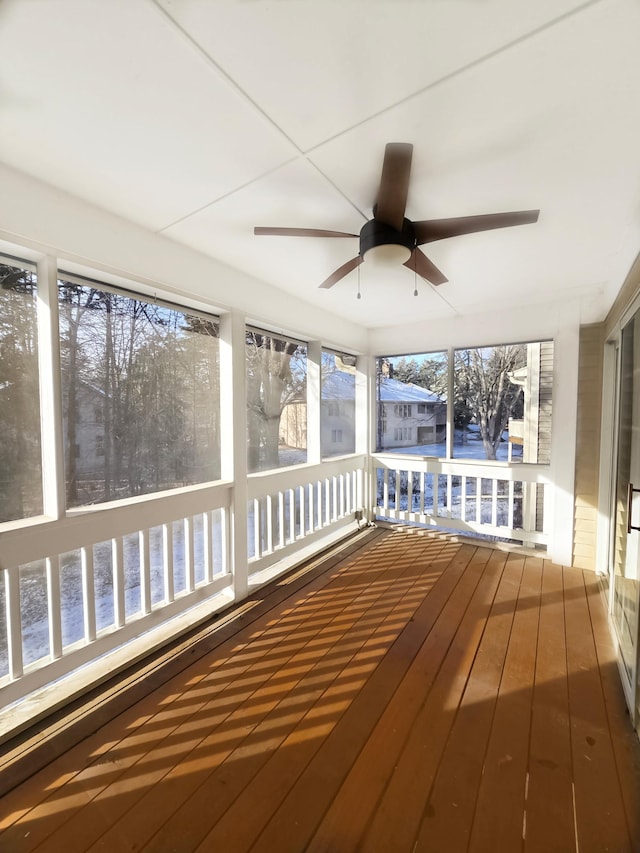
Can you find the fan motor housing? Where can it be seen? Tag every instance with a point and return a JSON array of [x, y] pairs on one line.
[[375, 233]]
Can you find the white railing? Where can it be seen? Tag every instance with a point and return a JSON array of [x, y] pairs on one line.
[[299, 505], [79, 587], [501, 499]]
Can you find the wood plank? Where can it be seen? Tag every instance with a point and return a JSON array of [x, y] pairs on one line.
[[448, 813], [41, 807], [419, 694], [199, 788], [625, 741], [244, 820], [499, 816], [549, 824], [409, 786], [295, 821], [600, 818]]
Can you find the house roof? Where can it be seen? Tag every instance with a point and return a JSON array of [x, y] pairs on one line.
[[341, 386]]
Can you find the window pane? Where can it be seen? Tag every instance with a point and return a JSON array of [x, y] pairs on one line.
[[338, 408], [411, 397], [141, 402], [20, 464], [276, 401], [502, 402]]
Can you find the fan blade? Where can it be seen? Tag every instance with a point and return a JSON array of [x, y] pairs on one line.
[[437, 229], [394, 184], [342, 271], [426, 269], [299, 232]]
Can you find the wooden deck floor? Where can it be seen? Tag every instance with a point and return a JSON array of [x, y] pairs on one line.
[[410, 694]]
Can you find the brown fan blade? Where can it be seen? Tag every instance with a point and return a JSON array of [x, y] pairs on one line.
[[299, 232], [342, 271], [438, 229], [394, 184], [425, 268]]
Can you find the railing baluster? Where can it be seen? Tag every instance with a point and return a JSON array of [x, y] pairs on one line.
[[54, 606], [281, 521], [257, 521], [207, 545], [145, 572], [463, 497], [167, 562], [269, 522], [494, 503], [189, 567], [14, 622], [436, 495], [423, 489], [88, 594], [334, 498], [510, 504], [225, 567], [478, 500], [312, 509], [119, 615], [409, 494]]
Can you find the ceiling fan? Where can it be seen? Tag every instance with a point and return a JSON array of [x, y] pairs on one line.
[[391, 234]]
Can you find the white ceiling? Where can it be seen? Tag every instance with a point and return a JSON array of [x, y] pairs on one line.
[[202, 118]]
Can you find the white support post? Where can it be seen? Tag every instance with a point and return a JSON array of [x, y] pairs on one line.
[[559, 518], [314, 413], [366, 431], [233, 432], [52, 448], [450, 397]]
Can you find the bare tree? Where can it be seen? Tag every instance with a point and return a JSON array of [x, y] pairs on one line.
[[482, 380], [273, 380]]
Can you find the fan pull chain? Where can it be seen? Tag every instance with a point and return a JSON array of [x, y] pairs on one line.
[[359, 294], [415, 282]]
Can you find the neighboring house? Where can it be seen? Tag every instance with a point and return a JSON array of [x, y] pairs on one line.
[[409, 415], [338, 413]]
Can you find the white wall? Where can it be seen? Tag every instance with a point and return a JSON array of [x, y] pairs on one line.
[[89, 240]]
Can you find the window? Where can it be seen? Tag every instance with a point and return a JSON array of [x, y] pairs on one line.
[[402, 434], [276, 401], [20, 454], [502, 402], [501, 407], [338, 404], [402, 410], [412, 387], [135, 376]]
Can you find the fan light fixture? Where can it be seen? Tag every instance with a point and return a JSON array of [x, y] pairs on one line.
[[388, 255], [392, 238]]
